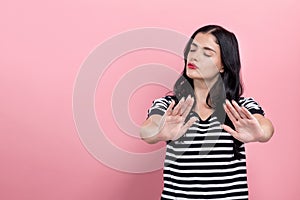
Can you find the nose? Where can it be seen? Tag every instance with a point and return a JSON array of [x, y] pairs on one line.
[[195, 56]]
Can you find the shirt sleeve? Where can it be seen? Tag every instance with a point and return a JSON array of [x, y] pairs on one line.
[[159, 106], [252, 106]]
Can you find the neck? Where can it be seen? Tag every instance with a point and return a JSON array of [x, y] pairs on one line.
[[201, 89]]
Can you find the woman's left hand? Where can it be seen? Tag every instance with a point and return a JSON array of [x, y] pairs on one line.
[[247, 127]]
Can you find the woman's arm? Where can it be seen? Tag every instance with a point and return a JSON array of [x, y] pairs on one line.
[[267, 127], [171, 125], [149, 131], [248, 127]]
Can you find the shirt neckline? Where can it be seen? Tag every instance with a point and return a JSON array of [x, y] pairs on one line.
[[200, 119]]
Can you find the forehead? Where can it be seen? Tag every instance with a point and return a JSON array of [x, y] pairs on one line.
[[206, 39]]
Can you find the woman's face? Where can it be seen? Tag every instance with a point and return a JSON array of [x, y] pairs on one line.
[[204, 59]]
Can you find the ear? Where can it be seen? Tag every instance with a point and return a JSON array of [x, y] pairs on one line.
[[221, 69]]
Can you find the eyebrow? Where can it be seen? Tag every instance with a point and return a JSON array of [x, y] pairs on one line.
[[205, 48]]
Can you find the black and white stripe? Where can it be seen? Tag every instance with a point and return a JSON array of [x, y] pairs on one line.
[[202, 164]]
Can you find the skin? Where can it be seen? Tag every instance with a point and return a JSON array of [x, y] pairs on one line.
[[205, 54]]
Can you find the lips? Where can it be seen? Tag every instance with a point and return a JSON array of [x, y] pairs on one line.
[[192, 66]]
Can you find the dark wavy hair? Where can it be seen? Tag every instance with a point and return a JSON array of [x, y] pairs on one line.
[[228, 86], [230, 79]]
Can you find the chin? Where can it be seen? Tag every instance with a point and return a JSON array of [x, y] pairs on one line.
[[193, 75]]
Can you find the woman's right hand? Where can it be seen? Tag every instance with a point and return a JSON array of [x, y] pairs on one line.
[[172, 125]]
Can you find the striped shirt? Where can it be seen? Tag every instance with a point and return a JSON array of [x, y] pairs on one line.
[[201, 165]]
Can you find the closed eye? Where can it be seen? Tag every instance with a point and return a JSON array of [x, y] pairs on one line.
[[194, 47], [208, 53]]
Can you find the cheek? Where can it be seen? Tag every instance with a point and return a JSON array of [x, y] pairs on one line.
[[208, 64], [189, 57], [208, 69], [218, 61]]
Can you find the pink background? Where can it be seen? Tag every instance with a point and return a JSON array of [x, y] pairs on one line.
[[42, 46]]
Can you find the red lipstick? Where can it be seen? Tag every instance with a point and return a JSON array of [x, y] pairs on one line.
[[192, 66]]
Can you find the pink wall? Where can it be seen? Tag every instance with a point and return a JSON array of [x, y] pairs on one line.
[[43, 46]]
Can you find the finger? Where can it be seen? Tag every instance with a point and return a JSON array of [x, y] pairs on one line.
[[185, 104], [188, 124], [169, 109], [177, 108], [174, 119], [190, 103], [247, 113], [238, 109], [229, 114], [231, 131], [232, 110]]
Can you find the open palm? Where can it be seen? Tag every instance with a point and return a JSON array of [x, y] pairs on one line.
[[173, 124], [247, 127]]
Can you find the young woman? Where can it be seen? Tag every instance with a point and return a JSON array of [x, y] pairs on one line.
[[206, 122]]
